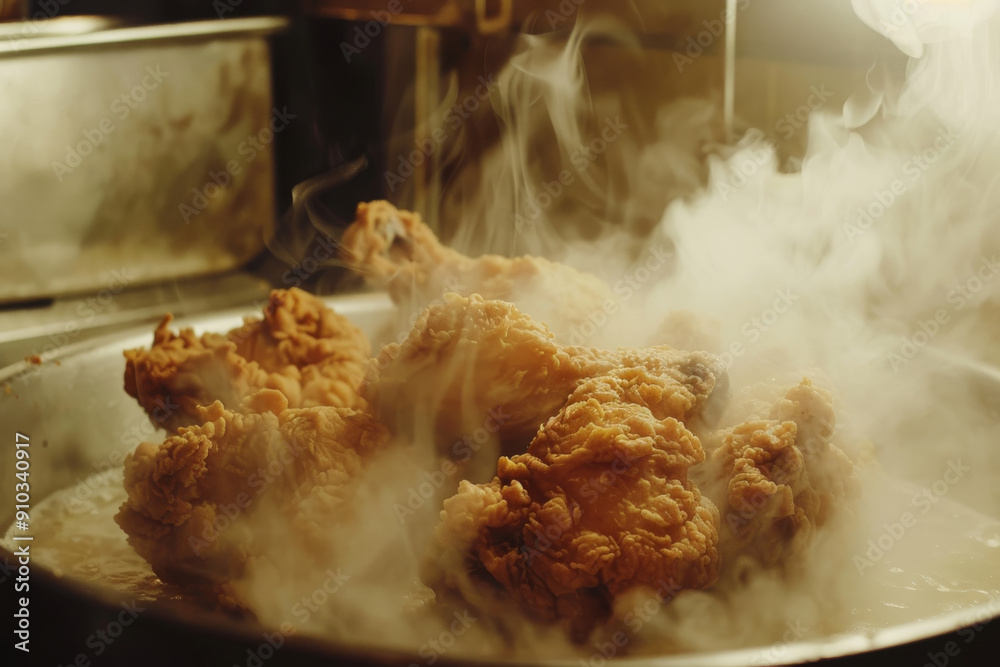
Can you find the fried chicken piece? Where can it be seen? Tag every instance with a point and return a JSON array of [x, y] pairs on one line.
[[783, 477], [476, 363], [395, 249], [189, 498], [599, 505], [301, 348]]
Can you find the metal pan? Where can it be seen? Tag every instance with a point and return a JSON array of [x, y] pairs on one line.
[[133, 154], [78, 418]]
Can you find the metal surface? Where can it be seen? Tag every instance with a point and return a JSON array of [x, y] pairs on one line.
[[144, 152], [76, 412], [44, 328], [14, 35], [80, 32], [75, 400]]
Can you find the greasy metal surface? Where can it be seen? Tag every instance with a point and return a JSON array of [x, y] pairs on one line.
[[77, 413], [126, 155], [81, 32], [44, 328], [75, 402], [14, 33]]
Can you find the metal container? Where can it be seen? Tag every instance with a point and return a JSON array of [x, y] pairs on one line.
[[132, 154], [79, 421]]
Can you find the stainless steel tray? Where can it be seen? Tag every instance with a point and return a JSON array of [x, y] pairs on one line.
[[79, 417], [125, 153]]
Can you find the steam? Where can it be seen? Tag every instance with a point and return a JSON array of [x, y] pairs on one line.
[[872, 269]]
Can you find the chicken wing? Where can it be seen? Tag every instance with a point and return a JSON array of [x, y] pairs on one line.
[[189, 498], [395, 249], [473, 362], [598, 506], [300, 347]]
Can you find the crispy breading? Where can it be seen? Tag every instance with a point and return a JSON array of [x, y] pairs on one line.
[[300, 347], [598, 506], [471, 361], [189, 496], [395, 249], [783, 477]]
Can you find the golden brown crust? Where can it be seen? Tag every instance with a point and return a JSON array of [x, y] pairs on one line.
[[783, 477], [394, 248], [188, 496], [598, 506], [301, 348], [469, 360]]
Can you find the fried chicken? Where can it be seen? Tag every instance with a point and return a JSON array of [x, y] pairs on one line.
[[782, 478], [189, 498], [472, 362], [301, 348], [395, 249], [599, 505]]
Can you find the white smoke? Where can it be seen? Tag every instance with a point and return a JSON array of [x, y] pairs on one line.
[[872, 269]]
